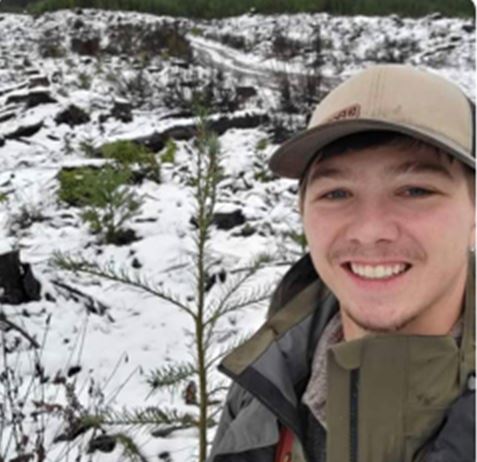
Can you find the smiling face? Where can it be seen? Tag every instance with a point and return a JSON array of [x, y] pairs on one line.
[[389, 230]]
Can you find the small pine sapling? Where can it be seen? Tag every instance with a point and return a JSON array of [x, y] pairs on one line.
[[206, 309], [130, 155], [168, 154], [260, 162], [112, 204]]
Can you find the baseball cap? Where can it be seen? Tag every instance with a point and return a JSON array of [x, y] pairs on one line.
[[390, 97]]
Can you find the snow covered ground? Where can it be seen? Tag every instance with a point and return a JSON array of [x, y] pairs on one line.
[[95, 60]]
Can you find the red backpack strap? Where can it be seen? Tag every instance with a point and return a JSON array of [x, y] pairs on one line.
[[284, 447]]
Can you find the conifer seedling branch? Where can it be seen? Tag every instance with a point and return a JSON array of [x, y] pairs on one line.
[[205, 309]]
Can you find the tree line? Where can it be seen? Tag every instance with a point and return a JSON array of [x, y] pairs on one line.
[[224, 8]]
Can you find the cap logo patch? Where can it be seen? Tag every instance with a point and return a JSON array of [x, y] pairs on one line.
[[351, 112]]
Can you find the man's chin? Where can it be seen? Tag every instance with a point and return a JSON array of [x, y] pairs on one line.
[[382, 324]]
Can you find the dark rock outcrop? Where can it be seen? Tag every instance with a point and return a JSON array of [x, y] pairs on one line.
[[38, 81], [122, 110], [148, 40], [228, 220], [17, 282], [245, 92], [157, 141], [6, 116], [72, 116], [24, 131], [102, 443], [31, 99], [86, 46]]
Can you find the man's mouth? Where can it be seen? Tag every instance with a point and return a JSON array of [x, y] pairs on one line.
[[377, 271]]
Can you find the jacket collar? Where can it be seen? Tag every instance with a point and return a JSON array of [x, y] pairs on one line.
[[275, 362]]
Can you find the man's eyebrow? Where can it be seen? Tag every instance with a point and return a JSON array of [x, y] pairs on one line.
[[413, 166], [417, 166], [329, 172]]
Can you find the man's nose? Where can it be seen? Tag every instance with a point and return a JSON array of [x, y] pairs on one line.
[[372, 221]]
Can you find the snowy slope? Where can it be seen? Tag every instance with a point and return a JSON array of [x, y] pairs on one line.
[[247, 55]]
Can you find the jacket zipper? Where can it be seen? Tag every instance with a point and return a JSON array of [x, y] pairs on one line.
[[353, 415]]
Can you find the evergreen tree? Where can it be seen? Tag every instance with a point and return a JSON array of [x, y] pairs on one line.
[[218, 8], [205, 309]]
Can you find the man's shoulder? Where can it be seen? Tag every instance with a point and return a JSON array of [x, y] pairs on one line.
[[300, 275], [455, 442]]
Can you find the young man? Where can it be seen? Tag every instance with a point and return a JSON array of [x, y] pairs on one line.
[[369, 351]]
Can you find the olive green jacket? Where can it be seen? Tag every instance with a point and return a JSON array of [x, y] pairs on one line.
[[387, 394]]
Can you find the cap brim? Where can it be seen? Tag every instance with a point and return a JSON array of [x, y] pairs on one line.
[[292, 158]]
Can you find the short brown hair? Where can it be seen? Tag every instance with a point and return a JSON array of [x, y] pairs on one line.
[[372, 139]]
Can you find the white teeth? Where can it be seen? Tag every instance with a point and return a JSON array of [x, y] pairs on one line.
[[377, 271]]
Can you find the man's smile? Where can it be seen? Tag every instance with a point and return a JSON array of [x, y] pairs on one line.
[[375, 275], [377, 270]]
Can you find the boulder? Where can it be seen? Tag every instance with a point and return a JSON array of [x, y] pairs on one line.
[[228, 220], [78, 24], [101, 443], [245, 92], [17, 282], [72, 116], [122, 110]]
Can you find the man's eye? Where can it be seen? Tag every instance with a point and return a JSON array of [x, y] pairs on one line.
[[336, 194], [416, 191]]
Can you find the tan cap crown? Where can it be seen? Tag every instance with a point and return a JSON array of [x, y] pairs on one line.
[[391, 97]]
